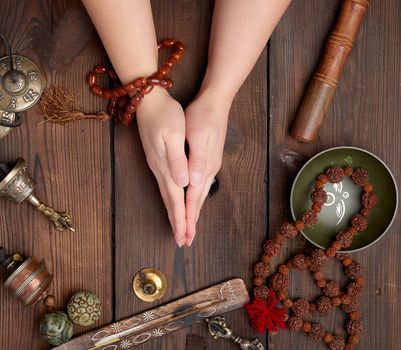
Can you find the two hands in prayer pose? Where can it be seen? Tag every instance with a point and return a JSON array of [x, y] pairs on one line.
[[240, 30]]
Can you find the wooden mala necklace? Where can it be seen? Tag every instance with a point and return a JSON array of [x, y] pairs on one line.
[[264, 312]]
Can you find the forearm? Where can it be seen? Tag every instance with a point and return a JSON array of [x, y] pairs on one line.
[[127, 31], [240, 31]]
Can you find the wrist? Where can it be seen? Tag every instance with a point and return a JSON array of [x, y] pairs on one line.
[[151, 101], [218, 89], [215, 99]]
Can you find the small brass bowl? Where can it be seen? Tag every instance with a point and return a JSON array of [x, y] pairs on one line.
[[344, 198], [149, 285]]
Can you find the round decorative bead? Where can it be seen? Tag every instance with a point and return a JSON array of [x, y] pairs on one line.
[[261, 292], [261, 269], [294, 323], [306, 327], [331, 289], [336, 301], [335, 174], [298, 261], [319, 196], [84, 308], [299, 225], [360, 177], [355, 315], [354, 327], [327, 338], [271, 248], [316, 332], [368, 187], [348, 170], [316, 207], [354, 290], [257, 281], [337, 343], [344, 237], [353, 339], [354, 270], [300, 307], [318, 259], [279, 282], [309, 217], [369, 200], [351, 306], [323, 305], [288, 230], [56, 328], [323, 178]]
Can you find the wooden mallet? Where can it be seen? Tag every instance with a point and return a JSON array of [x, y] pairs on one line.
[[323, 85]]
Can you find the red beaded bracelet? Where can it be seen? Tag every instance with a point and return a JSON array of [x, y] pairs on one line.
[[121, 105]]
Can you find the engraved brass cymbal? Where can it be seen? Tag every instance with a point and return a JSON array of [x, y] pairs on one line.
[[7, 117], [21, 93], [149, 285]]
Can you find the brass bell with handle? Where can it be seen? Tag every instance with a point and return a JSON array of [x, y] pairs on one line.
[[21, 86], [17, 186]]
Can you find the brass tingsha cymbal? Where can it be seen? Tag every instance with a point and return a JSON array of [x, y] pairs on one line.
[[21, 91], [9, 118]]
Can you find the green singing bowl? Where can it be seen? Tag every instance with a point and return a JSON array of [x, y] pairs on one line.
[[344, 198]]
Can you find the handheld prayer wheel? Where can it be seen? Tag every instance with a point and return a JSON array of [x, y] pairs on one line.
[[323, 85], [149, 285], [21, 86], [28, 279], [17, 186]]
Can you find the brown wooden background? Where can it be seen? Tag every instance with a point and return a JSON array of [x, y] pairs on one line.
[[98, 170]]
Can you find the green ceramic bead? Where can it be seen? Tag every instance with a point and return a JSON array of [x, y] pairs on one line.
[[84, 308], [56, 328]]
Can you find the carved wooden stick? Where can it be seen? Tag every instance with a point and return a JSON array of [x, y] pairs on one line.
[[164, 319], [323, 85]]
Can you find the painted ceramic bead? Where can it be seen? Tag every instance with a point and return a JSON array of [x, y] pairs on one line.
[[84, 308], [56, 328]]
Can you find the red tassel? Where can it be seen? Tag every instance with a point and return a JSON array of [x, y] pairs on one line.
[[265, 315]]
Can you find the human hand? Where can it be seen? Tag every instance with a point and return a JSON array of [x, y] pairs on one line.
[[161, 123], [206, 128]]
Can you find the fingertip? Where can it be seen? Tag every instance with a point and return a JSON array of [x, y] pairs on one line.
[[190, 240], [196, 178], [181, 179]]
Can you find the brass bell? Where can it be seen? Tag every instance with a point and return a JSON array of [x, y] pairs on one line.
[[28, 279], [21, 86], [17, 186], [149, 285]]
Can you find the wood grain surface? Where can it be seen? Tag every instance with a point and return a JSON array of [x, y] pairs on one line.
[[71, 165], [365, 113], [98, 171], [232, 222]]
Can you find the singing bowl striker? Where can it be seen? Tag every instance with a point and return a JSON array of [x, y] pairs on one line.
[[344, 198]]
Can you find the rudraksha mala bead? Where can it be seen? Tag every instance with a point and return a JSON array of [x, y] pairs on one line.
[[315, 259], [121, 104], [360, 177]]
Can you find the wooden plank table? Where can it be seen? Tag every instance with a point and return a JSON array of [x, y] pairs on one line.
[[98, 170]]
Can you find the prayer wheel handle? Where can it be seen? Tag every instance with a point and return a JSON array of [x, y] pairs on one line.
[[322, 87]]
